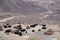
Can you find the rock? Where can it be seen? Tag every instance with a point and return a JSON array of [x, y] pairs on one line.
[[27, 27], [49, 32]]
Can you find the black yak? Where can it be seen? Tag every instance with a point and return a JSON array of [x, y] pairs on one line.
[[33, 25], [5, 26], [23, 30], [9, 26], [33, 30], [39, 29], [19, 27], [44, 27], [7, 31], [18, 32]]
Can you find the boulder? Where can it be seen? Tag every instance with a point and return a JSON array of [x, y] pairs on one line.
[[48, 32]]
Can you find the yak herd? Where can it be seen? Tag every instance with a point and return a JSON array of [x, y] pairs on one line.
[[19, 30]]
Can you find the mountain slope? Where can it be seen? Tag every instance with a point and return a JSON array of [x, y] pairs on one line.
[[19, 6]]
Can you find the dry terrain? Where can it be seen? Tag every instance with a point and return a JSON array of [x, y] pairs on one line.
[[29, 12]]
